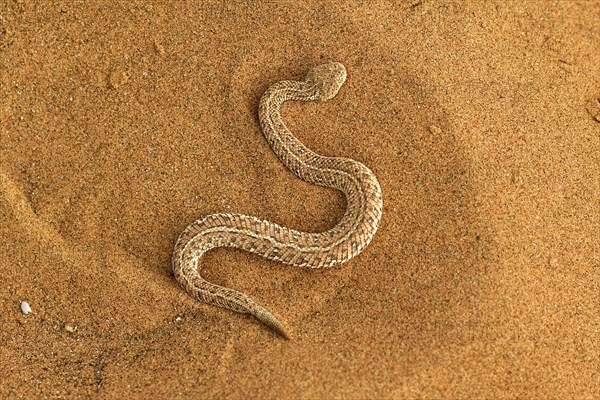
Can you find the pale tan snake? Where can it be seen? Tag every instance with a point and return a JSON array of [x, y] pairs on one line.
[[315, 250]]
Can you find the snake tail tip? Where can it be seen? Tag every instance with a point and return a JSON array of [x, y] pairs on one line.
[[279, 328], [272, 322]]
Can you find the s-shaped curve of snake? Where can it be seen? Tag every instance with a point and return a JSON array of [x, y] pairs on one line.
[[303, 249]]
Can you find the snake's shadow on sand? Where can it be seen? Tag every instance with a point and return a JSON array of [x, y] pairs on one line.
[[421, 271]]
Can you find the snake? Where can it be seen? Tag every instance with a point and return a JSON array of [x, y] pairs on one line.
[[350, 236]]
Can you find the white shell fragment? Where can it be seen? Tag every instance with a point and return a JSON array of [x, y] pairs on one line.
[[25, 307]]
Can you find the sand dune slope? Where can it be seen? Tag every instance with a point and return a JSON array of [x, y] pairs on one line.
[[122, 122]]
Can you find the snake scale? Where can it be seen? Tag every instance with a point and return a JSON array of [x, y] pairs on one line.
[[303, 249]]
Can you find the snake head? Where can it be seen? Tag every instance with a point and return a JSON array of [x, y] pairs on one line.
[[327, 79]]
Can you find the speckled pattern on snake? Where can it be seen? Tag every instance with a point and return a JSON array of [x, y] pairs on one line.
[[303, 249]]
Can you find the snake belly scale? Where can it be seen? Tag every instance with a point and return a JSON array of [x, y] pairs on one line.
[[339, 244]]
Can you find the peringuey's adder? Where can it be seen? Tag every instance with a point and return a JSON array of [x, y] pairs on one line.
[[303, 249]]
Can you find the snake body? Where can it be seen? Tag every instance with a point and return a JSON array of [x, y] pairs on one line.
[[303, 249]]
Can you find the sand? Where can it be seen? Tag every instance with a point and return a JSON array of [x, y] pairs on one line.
[[121, 123]]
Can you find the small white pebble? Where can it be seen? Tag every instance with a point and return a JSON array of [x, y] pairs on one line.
[[178, 318], [70, 328], [25, 307], [145, 73]]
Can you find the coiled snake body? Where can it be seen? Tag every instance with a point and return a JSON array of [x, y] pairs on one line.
[[315, 250]]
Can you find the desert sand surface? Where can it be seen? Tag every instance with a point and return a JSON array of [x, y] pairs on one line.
[[123, 122]]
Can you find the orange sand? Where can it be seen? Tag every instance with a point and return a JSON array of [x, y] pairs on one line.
[[122, 123]]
